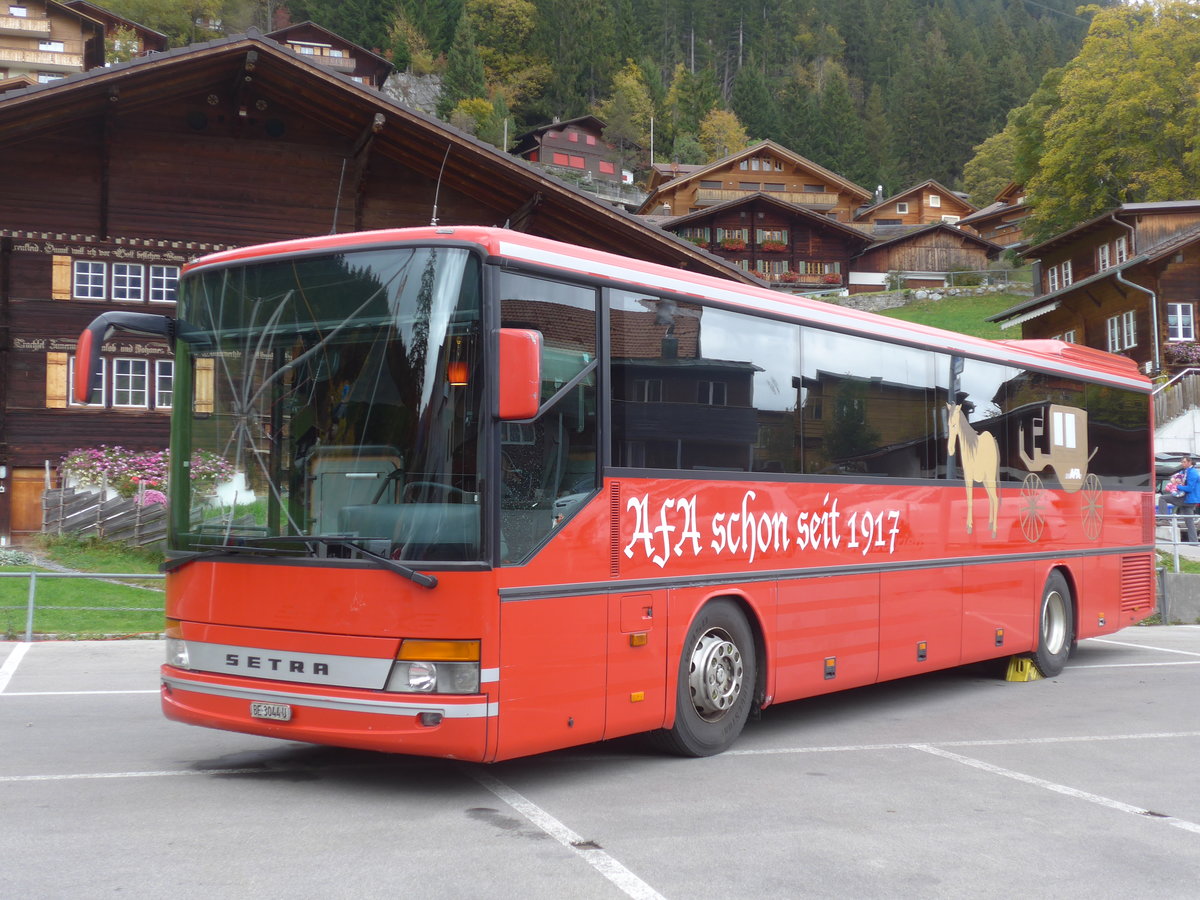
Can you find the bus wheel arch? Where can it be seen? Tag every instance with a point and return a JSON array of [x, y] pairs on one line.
[[719, 679], [1056, 622]]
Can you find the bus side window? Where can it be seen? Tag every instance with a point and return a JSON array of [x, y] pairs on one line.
[[549, 466]]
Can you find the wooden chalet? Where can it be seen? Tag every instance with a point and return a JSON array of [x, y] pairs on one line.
[[1124, 281], [920, 257], [576, 151], [43, 41], [115, 178], [923, 204], [119, 29], [1002, 221], [766, 167], [334, 52], [784, 244]]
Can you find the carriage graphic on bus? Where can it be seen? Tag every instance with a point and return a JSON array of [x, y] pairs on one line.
[[1057, 436]]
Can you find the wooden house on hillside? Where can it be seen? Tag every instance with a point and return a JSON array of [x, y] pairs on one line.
[[170, 156], [43, 41], [921, 257], [1002, 221], [1125, 281], [130, 39], [334, 52], [575, 150], [780, 242], [922, 204], [767, 168]]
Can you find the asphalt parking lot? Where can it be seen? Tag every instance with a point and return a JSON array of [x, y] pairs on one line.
[[955, 784]]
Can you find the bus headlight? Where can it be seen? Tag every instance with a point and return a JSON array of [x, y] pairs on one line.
[[177, 653], [435, 667]]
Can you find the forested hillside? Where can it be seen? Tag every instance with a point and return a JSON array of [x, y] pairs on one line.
[[887, 92]]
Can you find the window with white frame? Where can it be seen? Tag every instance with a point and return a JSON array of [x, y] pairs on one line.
[[1181, 322], [97, 395], [18, 11], [128, 281], [647, 390], [51, 46], [934, 201], [1121, 331], [164, 383], [1102, 258], [1067, 336], [1052, 279], [901, 209], [711, 393], [950, 220], [89, 280], [1121, 246], [163, 281], [1066, 272], [130, 385]]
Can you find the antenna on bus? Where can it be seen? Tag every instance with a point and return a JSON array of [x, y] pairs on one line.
[[437, 190], [337, 202]]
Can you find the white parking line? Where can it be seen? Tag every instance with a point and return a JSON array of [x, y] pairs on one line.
[[628, 883], [10, 665], [69, 693], [1060, 788], [1143, 646]]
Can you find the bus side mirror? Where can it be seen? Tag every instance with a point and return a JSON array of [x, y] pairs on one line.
[[520, 373], [87, 351]]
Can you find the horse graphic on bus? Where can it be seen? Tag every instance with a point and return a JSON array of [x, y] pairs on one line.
[[1057, 435]]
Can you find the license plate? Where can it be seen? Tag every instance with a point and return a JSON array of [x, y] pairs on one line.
[[280, 712]]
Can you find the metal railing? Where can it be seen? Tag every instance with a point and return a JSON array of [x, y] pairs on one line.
[[1177, 522], [33, 577]]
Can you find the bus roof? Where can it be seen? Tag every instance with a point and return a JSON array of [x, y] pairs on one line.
[[1055, 356]]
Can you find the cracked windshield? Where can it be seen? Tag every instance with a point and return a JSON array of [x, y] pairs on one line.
[[344, 392]]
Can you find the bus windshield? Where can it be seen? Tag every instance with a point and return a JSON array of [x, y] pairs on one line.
[[335, 398]]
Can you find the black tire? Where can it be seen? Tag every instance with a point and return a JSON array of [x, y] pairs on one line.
[[1056, 626], [718, 674]]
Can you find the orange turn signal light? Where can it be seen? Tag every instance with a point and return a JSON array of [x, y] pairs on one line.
[[442, 651]]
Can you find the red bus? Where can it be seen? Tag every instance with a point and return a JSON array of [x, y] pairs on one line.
[[496, 495]]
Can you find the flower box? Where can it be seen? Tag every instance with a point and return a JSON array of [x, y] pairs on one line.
[[773, 246], [735, 244], [831, 278]]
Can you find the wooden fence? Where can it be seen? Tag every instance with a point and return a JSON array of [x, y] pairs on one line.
[[86, 514], [1176, 398]]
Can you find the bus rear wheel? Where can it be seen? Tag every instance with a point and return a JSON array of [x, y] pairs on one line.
[[717, 677], [1056, 627]]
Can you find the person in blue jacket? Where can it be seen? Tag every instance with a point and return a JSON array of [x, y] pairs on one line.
[[1190, 499]]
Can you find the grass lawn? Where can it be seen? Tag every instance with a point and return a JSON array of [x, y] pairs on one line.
[[79, 607], [965, 315]]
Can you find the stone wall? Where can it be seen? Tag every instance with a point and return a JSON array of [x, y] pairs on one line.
[[892, 299]]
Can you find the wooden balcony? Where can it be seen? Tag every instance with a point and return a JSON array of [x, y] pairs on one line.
[[714, 196], [67, 60], [23, 26]]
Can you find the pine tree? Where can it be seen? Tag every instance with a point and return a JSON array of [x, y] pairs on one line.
[[464, 79]]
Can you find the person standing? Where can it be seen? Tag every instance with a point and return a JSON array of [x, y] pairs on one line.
[[1190, 498]]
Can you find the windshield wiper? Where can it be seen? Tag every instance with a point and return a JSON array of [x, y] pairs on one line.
[[260, 545], [385, 562], [217, 550]]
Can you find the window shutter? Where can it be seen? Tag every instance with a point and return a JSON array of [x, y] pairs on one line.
[[56, 380], [60, 285], [204, 383]]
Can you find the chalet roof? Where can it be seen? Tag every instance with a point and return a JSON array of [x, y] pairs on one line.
[[1052, 299], [288, 32], [1122, 211], [595, 123], [755, 150], [761, 197], [919, 230], [915, 189], [491, 185]]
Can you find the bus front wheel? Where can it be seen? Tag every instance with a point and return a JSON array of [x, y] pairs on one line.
[[1056, 627], [717, 677]]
